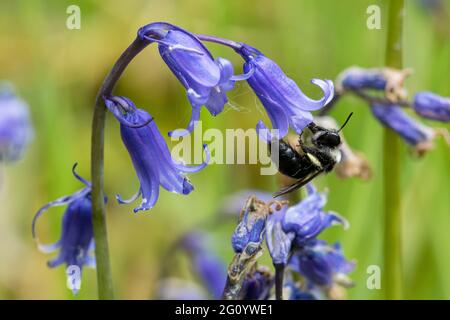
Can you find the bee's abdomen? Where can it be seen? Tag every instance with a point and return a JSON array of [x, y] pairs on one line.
[[290, 163]]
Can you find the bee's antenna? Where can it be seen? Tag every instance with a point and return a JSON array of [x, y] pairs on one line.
[[348, 118]]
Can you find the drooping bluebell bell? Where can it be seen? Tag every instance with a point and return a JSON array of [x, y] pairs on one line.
[[356, 78], [77, 239], [206, 264], [286, 105], [432, 106], [206, 79], [307, 219], [149, 153], [389, 80], [299, 224], [413, 132], [322, 264], [15, 126]]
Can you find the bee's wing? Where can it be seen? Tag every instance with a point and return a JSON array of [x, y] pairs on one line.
[[298, 184]]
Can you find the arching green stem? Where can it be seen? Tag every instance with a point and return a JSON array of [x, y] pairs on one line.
[[104, 277]]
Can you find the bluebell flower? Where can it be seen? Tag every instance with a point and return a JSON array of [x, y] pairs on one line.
[[206, 79], [432, 106], [356, 78], [389, 80], [149, 153], [414, 133], [257, 284], [299, 224], [207, 265], [278, 241], [77, 239], [307, 219], [322, 264], [15, 127], [286, 105]]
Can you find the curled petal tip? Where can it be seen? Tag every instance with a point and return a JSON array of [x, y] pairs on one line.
[[327, 87], [77, 176], [179, 133], [310, 188], [145, 205], [336, 218], [192, 169], [120, 200], [244, 76], [47, 248]]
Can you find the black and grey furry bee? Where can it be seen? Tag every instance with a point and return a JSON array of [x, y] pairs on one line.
[[319, 158]]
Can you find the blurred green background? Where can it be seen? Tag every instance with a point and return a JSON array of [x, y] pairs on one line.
[[58, 72]]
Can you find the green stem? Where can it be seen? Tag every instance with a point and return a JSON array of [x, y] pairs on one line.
[[391, 170], [104, 278]]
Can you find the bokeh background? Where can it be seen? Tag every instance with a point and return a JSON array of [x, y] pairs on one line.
[[58, 71]]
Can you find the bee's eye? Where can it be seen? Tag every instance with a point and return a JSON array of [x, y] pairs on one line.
[[330, 139]]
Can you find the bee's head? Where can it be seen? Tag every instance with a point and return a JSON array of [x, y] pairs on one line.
[[323, 137], [326, 138]]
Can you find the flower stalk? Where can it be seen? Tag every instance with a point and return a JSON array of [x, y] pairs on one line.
[[104, 277], [279, 277], [391, 169]]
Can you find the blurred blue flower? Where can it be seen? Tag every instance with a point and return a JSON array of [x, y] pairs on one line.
[[16, 131], [150, 154], [299, 224], [432, 6], [286, 105], [77, 239], [207, 265], [432, 106], [257, 285], [356, 78], [297, 293], [205, 79], [389, 80], [322, 264], [410, 130]]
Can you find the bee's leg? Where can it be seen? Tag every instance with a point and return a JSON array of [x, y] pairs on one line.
[[306, 149], [249, 205], [300, 141], [301, 144]]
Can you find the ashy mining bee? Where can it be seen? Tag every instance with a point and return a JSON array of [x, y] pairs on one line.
[[319, 158]]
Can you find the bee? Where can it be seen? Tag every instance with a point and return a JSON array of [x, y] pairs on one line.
[[319, 158]]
